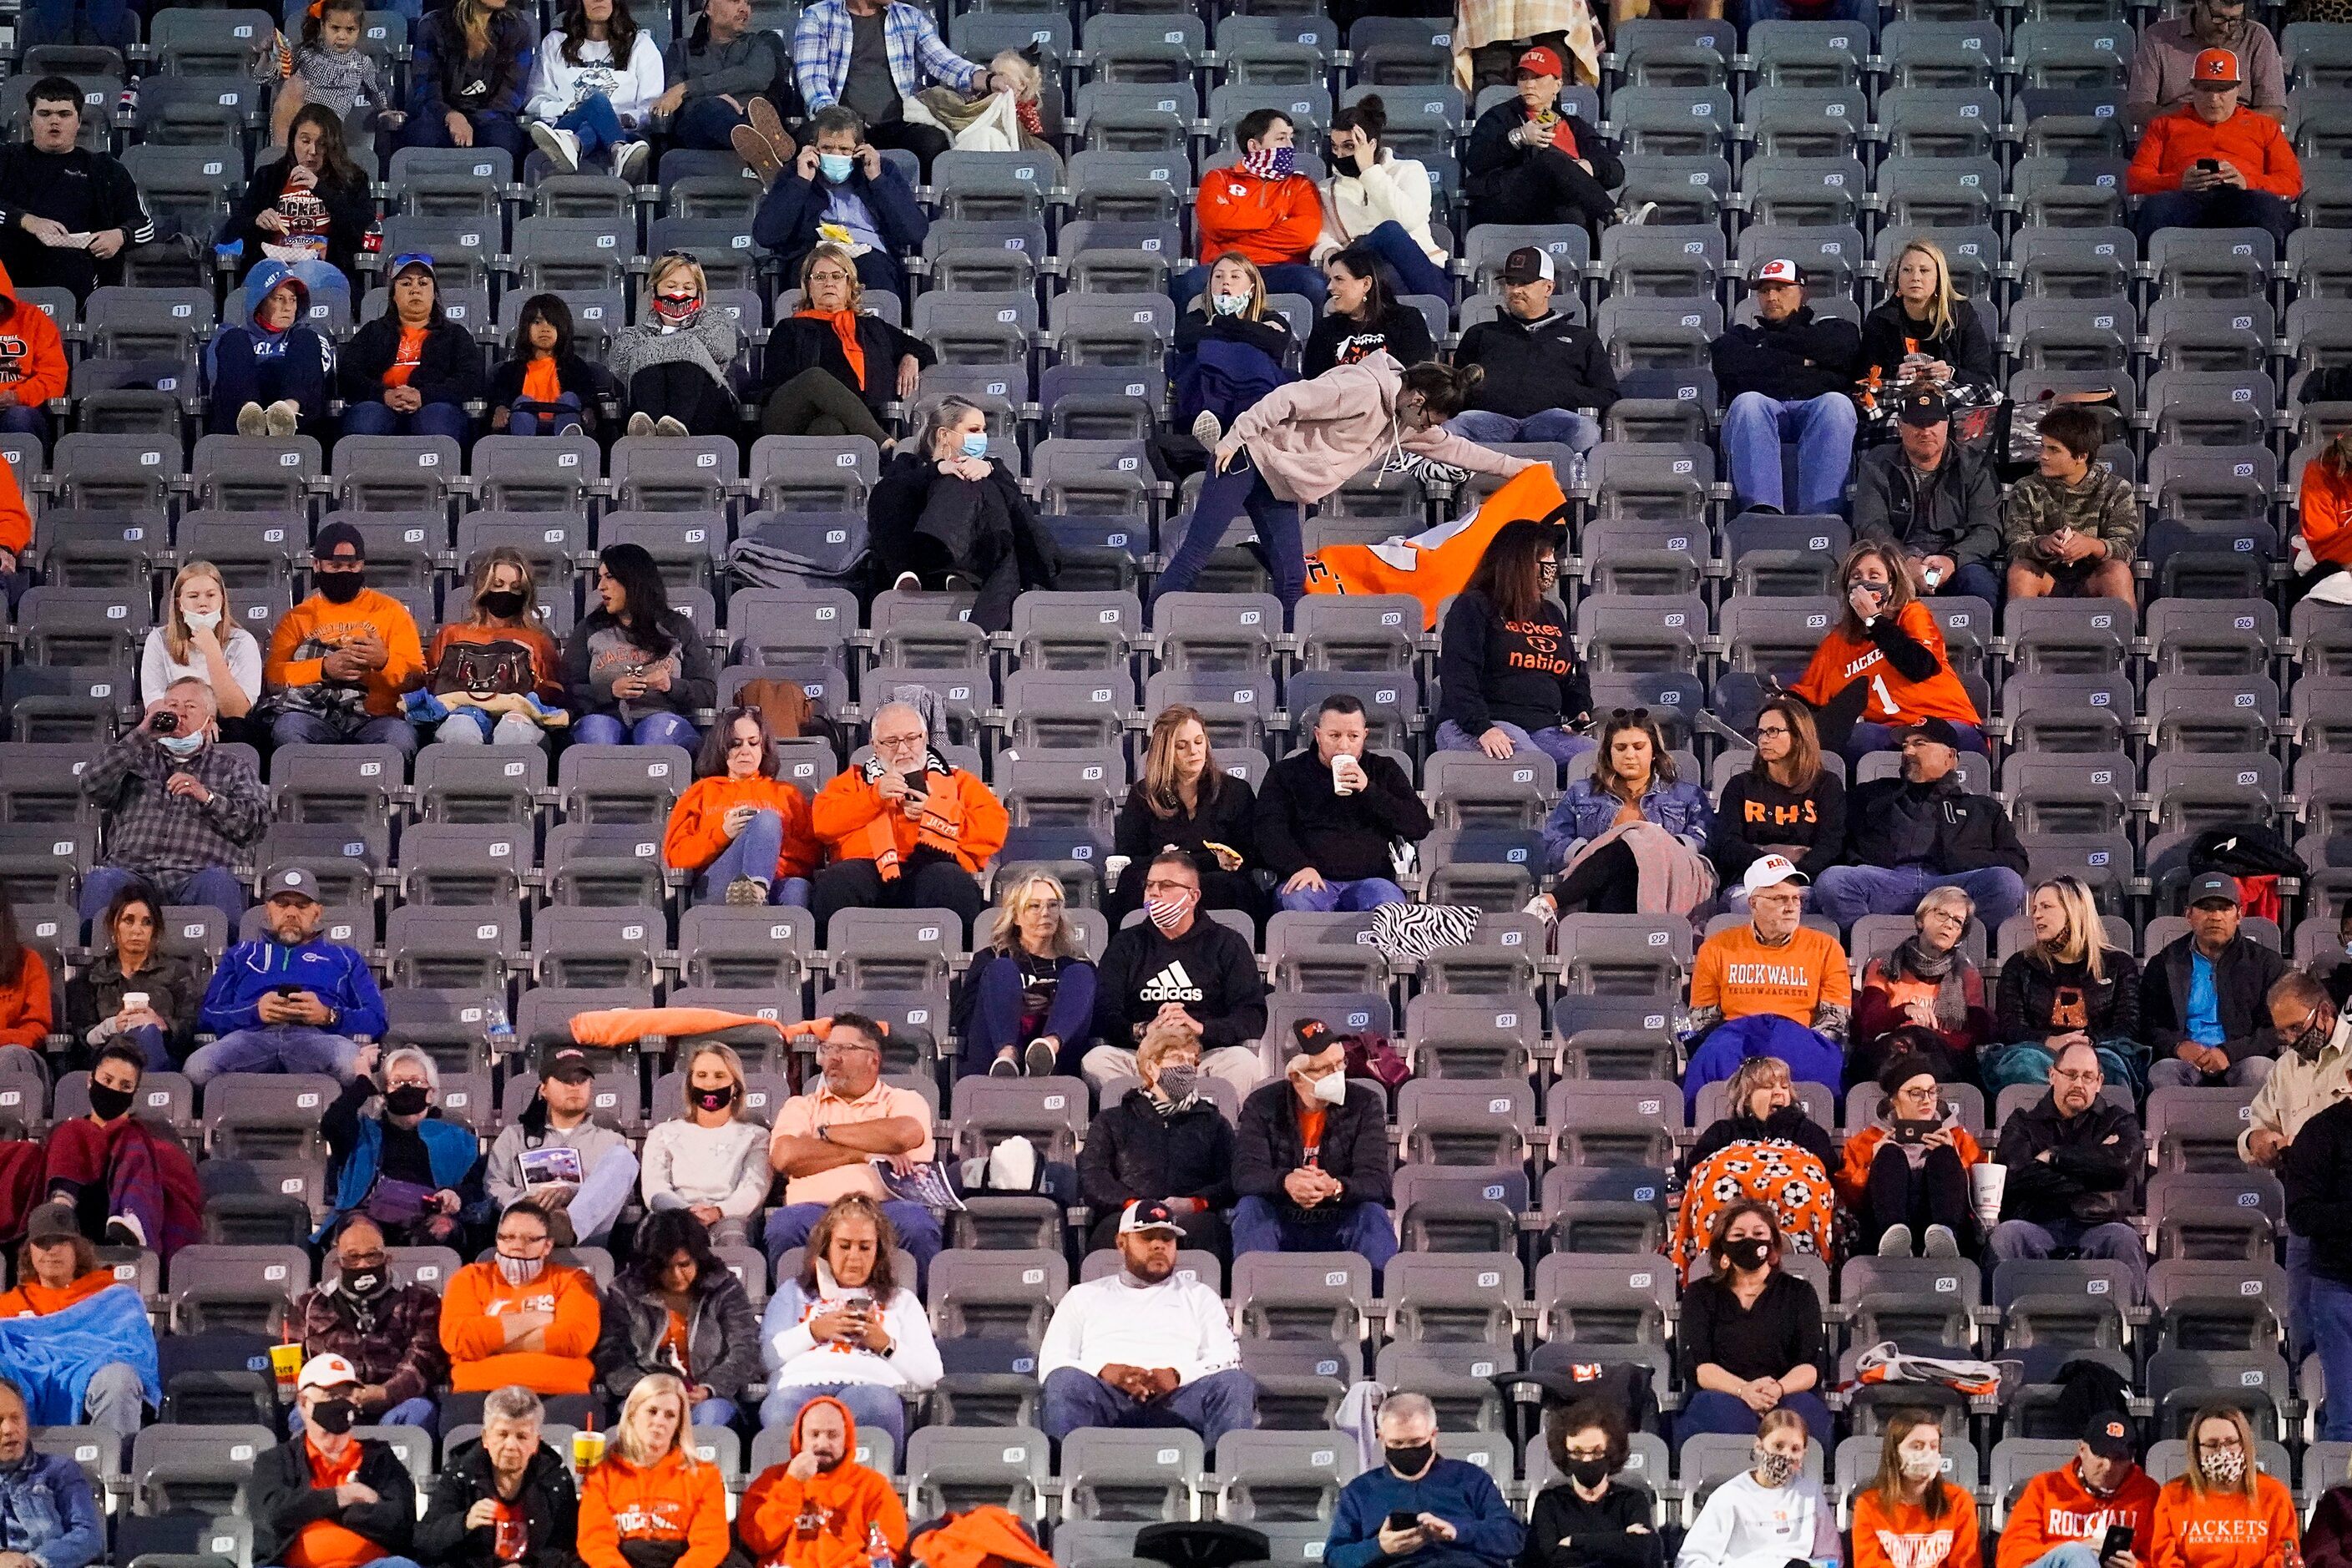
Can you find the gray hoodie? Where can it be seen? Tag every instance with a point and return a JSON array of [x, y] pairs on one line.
[[504, 1175]]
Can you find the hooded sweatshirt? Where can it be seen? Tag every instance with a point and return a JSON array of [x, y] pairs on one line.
[[1460, 1493], [1309, 438], [2056, 1508], [315, 627], [673, 1499], [478, 1295], [32, 355], [308, 365], [2224, 1530], [849, 1503], [1209, 971], [1269, 221], [963, 819], [1902, 1535], [697, 836], [15, 522], [1548, 362], [1746, 1524], [503, 1176]]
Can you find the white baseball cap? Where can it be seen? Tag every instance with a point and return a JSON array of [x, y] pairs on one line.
[[328, 1371], [1769, 870]]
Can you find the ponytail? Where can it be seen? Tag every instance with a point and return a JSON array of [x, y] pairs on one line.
[[1444, 389], [1368, 117]]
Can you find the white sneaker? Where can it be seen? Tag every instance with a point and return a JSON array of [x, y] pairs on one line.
[[1896, 1242], [1941, 1242], [1208, 429], [1636, 216], [640, 423], [629, 160], [125, 1229], [668, 425], [561, 147], [282, 417], [251, 421], [907, 583]]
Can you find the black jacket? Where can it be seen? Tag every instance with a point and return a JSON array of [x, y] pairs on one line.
[[450, 370], [1355, 1148], [1494, 671], [350, 210], [2242, 977], [1548, 362], [1888, 335], [588, 383], [442, 80], [85, 191], [1800, 356], [1229, 817], [2317, 1173], [1400, 330], [798, 344], [1753, 813], [549, 1498], [1302, 821], [1972, 831], [2092, 1171], [1789, 1125], [1599, 1534], [790, 212], [1133, 1152], [2029, 996], [918, 516], [1954, 512], [280, 1500], [722, 1337], [1209, 971], [1492, 156], [96, 992], [1270, 334]]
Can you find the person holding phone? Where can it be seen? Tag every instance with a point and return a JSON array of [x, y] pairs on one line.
[[904, 828], [293, 1001], [2098, 1511], [739, 826], [1907, 1170], [1419, 1507], [2213, 162]]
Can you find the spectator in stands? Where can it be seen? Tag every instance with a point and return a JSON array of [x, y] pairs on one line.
[[2202, 998], [2325, 1539], [635, 671], [2074, 526], [128, 1178], [1459, 1517], [674, 364], [2164, 64], [327, 69], [2315, 1171], [832, 367], [838, 181], [1924, 337], [57, 191], [397, 1161], [2067, 988], [1785, 803], [2214, 162], [1760, 1106], [1630, 834], [1593, 1516], [1909, 1513], [1529, 161], [727, 75], [1177, 967], [1362, 317], [592, 89], [945, 515], [2321, 546], [1882, 668], [1907, 1170], [1542, 370], [904, 829], [48, 1517], [738, 827], [847, 1327], [33, 367], [1508, 669], [579, 1171], [1163, 1141], [1924, 989], [1774, 965], [1186, 803], [1330, 814], [1786, 376], [543, 388], [109, 24], [2315, 1044], [2074, 1159], [311, 210], [859, 1508], [1006, 111], [1769, 1512], [1932, 498], [2223, 1510], [829, 1138], [710, 1162], [324, 1496], [58, 1267], [1262, 207], [1924, 830], [1030, 993], [1766, 1149], [25, 995], [289, 1002], [871, 55], [1231, 349], [1312, 1164], [199, 638], [1186, 1366], [180, 810], [650, 1491], [271, 376], [677, 1309], [519, 1318], [471, 78], [2062, 1518], [502, 1499], [1377, 204], [497, 676], [1750, 1333], [411, 371], [387, 1328], [131, 968]]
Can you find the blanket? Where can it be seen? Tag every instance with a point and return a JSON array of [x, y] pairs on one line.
[[52, 1359], [1674, 878], [1434, 565], [148, 1175]]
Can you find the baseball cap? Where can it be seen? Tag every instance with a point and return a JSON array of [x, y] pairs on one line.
[[407, 260], [2215, 68], [51, 1222], [1770, 870], [2109, 1436], [1148, 1213], [1939, 730], [339, 541], [1780, 269], [2215, 885], [570, 1066], [1922, 406], [294, 880], [329, 1370], [1539, 61], [1526, 264]]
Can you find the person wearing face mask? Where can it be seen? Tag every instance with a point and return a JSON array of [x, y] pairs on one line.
[[128, 1178], [497, 677], [517, 1318], [180, 811], [397, 1160], [505, 1500], [1592, 1517], [107, 1350], [1378, 203], [674, 364], [1749, 1338], [947, 516], [200, 638], [1029, 996], [341, 660], [326, 1499], [1177, 966], [2224, 1510], [575, 1166], [1261, 206], [837, 190], [1459, 1517], [711, 1162], [2062, 1518], [1765, 1149], [676, 1310], [1164, 1139], [1909, 1513], [272, 376], [387, 1328], [2318, 1170], [1231, 349], [1770, 1513], [1312, 1164]]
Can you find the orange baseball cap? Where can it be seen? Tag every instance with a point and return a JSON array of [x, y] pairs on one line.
[[2215, 68], [1540, 61]]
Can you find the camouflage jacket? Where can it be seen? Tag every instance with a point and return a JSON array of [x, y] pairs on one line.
[[2102, 506]]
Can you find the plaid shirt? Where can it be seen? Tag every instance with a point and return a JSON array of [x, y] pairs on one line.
[[821, 53], [150, 829], [396, 1341]]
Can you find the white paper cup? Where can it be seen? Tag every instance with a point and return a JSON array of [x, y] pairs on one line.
[[134, 1001], [1988, 1182]]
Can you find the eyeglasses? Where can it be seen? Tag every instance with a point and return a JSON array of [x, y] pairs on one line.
[[847, 1047], [1780, 731], [1163, 885], [2084, 1075], [1637, 715]]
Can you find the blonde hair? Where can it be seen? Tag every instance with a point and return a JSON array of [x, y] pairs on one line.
[[676, 261], [175, 624], [734, 1066], [1160, 1039], [623, 1443], [2081, 941], [1256, 309], [1943, 307], [839, 256], [492, 559], [1005, 936], [1755, 1073], [2194, 1475], [1014, 66]]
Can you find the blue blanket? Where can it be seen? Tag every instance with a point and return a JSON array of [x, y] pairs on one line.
[[1811, 1057], [54, 1358]]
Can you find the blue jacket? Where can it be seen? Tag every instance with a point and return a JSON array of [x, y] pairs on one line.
[[790, 212], [47, 1511], [1456, 1491], [452, 1150], [251, 970], [1586, 810]]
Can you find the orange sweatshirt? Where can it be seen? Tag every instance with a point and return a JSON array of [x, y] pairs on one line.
[[2255, 145], [673, 1500], [696, 837], [1901, 1536], [1269, 221], [855, 822], [2224, 1530], [16, 522], [2056, 1508], [849, 1499], [25, 1006], [32, 353], [1843, 659], [2324, 507], [477, 1296], [35, 1300], [313, 628]]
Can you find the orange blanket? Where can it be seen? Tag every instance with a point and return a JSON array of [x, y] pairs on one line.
[[1436, 565]]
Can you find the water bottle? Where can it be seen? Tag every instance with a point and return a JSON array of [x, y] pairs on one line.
[[877, 1550], [501, 1029]]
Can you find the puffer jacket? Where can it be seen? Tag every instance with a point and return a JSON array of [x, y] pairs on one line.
[[1311, 436], [548, 1497]]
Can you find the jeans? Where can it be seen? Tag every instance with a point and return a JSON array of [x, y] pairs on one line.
[[489, 131], [2215, 209], [377, 418], [2074, 1554], [1846, 893], [653, 730], [477, 727], [2171, 1072], [1972, 580], [108, 22], [592, 121], [604, 1192], [213, 885], [1259, 1226], [312, 730], [1414, 269], [995, 1023], [918, 1228], [116, 1399], [1822, 427], [545, 418], [1358, 897], [2298, 1297], [1281, 278], [274, 1047], [1241, 488], [1214, 1406], [706, 123], [2331, 1336], [871, 1405], [1562, 746], [753, 855], [715, 1413], [2113, 1242], [1708, 1410], [18, 420], [1565, 425], [417, 1412]]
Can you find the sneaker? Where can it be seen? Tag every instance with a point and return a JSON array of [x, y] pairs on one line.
[[1208, 429], [1636, 216], [124, 1230], [669, 425], [282, 418], [1004, 1067], [1543, 906], [747, 890], [1896, 1242], [1039, 1059], [907, 583], [561, 147], [771, 129], [1941, 1242], [629, 160], [640, 423], [252, 421], [758, 153]]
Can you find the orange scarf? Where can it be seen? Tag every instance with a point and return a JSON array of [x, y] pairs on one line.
[[940, 827], [845, 327]]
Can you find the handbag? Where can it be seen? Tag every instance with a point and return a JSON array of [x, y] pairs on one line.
[[395, 1202]]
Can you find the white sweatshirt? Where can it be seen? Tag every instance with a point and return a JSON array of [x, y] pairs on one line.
[[1746, 1524], [1394, 190], [795, 1358], [1178, 1323], [727, 1166], [557, 85], [157, 668]]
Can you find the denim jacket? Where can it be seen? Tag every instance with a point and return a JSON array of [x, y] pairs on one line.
[[1586, 810], [47, 1511]]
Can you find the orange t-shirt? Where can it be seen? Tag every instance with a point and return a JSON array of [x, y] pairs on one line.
[[35, 1300], [1743, 977], [1843, 660], [406, 357], [1310, 1132], [674, 1341], [539, 381], [322, 1542]]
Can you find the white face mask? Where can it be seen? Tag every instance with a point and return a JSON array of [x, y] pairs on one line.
[[1918, 1467], [201, 620], [1333, 1088]]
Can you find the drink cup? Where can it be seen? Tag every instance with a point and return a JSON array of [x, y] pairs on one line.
[[587, 1448], [1988, 1182], [286, 1364], [134, 1001]]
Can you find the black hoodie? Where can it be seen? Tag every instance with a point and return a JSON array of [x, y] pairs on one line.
[[1209, 971], [1496, 670], [1302, 821], [1548, 362], [1801, 356], [549, 1500], [1134, 1152]]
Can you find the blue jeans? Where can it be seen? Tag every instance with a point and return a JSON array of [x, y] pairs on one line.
[[753, 855], [1214, 1406], [605, 1191], [706, 123], [110, 22], [377, 418], [1562, 746], [2216, 209], [1240, 488], [653, 730], [1822, 427], [1258, 1226], [1414, 269], [489, 131], [2074, 1554], [2331, 1336], [2171, 1072], [715, 1413], [274, 1047], [918, 1228], [1358, 897], [418, 1412], [594, 123], [1846, 893], [996, 1010], [1705, 1410], [213, 885], [312, 729], [2113, 1243], [1973, 580], [872, 1405], [1566, 426], [379, 1563], [545, 418], [1281, 278]]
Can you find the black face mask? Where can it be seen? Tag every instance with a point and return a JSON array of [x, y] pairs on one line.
[[504, 603], [1749, 1253], [333, 1416], [109, 1103], [715, 1098], [1346, 168], [408, 1099], [374, 1282], [339, 587], [1588, 1473], [1411, 1459]]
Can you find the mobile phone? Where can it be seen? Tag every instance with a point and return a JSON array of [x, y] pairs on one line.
[[2210, 166], [289, 992], [1404, 1518], [1907, 1132], [2118, 1539]]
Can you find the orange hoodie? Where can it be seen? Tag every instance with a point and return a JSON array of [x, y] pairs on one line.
[[34, 1299], [850, 816], [1269, 221], [2252, 143], [25, 1006], [2056, 1508], [32, 353], [849, 1500], [311, 629], [696, 837], [675, 1499], [479, 1295], [1903, 1536], [1861, 1149], [2324, 504], [2224, 1530], [16, 522]]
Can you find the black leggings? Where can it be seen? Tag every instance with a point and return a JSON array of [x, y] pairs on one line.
[[1934, 1193], [1606, 882], [686, 394], [818, 403], [1549, 187]]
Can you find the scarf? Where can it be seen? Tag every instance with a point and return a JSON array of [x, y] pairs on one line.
[[941, 824], [1912, 959], [845, 329], [1032, 120]]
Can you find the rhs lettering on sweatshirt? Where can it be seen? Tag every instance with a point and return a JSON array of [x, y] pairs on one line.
[[1924, 1551]]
